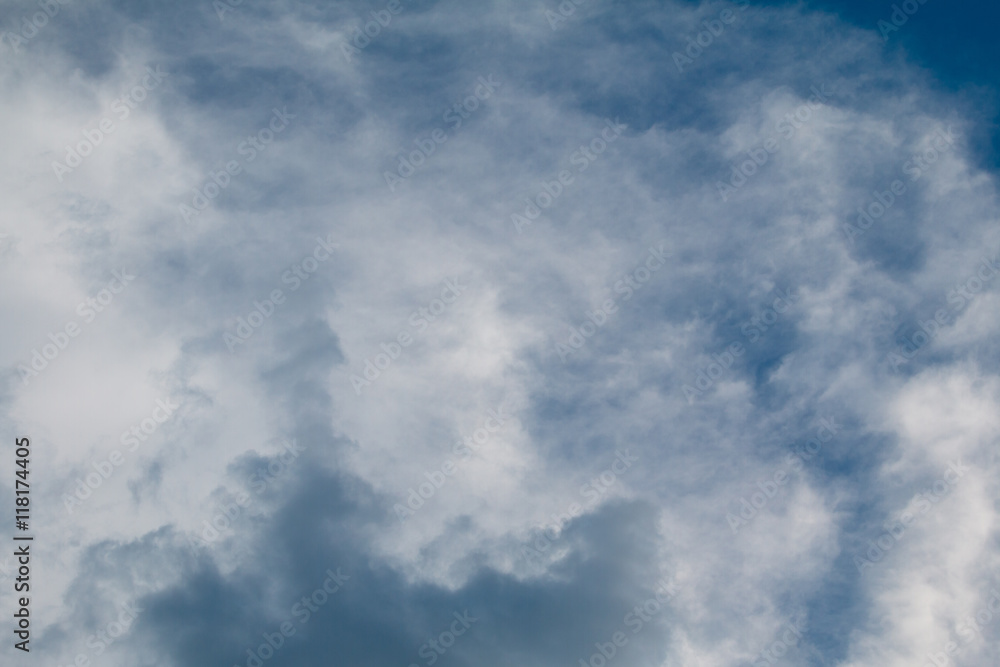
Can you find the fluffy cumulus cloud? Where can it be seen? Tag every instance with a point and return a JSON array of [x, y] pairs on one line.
[[509, 332]]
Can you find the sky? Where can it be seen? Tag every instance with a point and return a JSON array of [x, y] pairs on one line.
[[405, 333]]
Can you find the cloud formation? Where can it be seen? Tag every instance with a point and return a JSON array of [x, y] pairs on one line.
[[362, 233]]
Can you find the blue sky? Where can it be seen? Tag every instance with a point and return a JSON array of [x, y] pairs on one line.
[[954, 42], [513, 332]]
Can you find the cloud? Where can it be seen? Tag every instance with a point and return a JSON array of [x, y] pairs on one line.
[[814, 115]]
